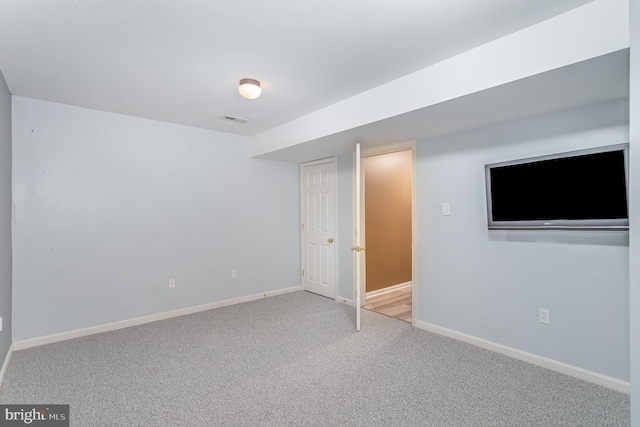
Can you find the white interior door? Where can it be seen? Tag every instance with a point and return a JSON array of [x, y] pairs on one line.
[[356, 248], [318, 199]]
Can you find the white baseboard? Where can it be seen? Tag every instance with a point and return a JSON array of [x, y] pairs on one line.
[[387, 289], [5, 364], [342, 300], [48, 339], [554, 365]]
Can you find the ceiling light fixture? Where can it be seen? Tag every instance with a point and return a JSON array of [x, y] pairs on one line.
[[249, 88]]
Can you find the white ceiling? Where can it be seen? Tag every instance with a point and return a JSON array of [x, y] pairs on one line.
[[179, 61]]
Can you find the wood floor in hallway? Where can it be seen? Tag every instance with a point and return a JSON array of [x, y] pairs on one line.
[[395, 303]]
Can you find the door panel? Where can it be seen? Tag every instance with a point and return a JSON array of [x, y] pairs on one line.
[[325, 207], [326, 280], [311, 264], [356, 248]]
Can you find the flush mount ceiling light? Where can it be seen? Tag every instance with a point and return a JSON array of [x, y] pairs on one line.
[[249, 88]]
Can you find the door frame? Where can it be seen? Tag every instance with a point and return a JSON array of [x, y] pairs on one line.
[[386, 149], [333, 160]]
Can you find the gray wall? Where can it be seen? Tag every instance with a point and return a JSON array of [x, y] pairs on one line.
[[634, 124], [5, 218], [109, 207], [490, 284]]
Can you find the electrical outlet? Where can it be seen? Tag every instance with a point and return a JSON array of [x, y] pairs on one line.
[[545, 316], [172, 283], [234, 274]]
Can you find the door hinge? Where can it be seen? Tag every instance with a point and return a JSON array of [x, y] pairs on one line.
[[303, 273], [302, 181], [302, 227]]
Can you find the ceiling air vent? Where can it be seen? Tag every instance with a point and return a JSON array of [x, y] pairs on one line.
[[234, 119]]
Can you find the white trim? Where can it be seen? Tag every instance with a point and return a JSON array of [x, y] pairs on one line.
[[107, 327], [5, 365], [388, 289], [346, 301], [391, 148], [363, 230], [414, 234], [359, 240], [554, 365], [336, 230]]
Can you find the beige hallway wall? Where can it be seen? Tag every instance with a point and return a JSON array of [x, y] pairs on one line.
[[388, 219]]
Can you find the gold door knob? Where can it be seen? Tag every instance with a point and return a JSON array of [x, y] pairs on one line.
[[330, 240]]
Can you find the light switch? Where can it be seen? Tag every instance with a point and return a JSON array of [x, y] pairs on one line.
[[446, 211]]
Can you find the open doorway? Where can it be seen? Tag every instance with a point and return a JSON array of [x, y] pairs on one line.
[[388, 232]]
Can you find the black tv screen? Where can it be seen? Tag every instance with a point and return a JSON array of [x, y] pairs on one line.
[[581, 189]]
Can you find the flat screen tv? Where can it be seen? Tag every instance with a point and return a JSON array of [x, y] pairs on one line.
[[584, 189]]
